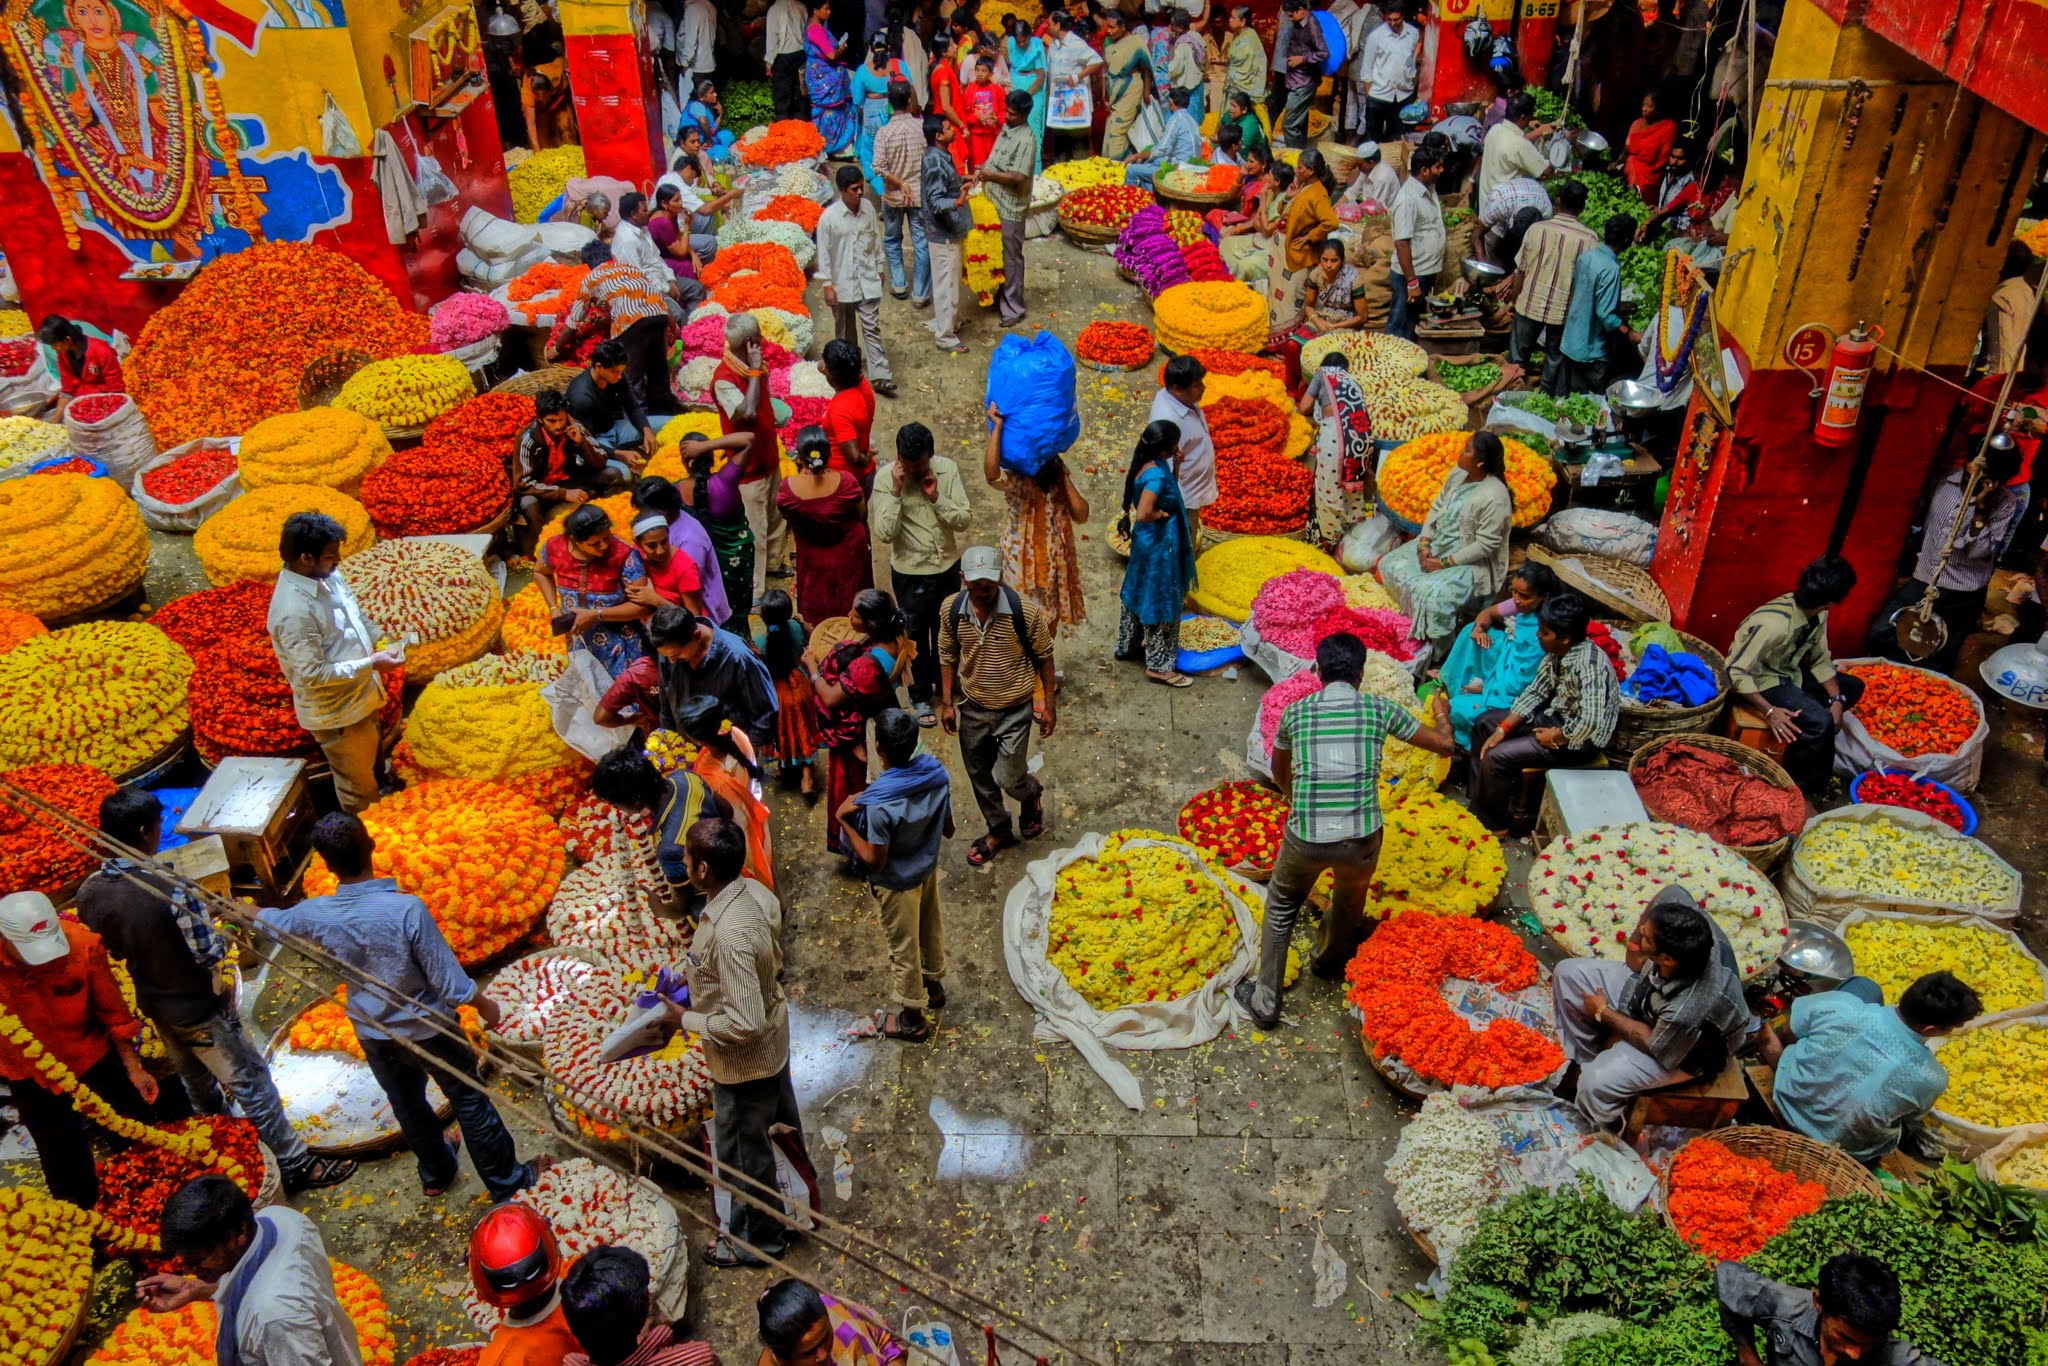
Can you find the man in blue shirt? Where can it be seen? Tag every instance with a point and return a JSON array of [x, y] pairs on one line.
[[1181, 141], [1854, 1073], [389, 937], [1586, 351], [896, 828]]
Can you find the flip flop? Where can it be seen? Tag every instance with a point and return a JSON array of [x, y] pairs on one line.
[[987, 847], [1175, 679], [727, 1255]]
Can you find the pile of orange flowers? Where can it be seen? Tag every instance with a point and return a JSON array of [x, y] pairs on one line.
[[527, 626], [1259, 491], [1729, 1206], [1396, 983], [1914, 712], [1232, 363], [229, 350], [485, 860], [545, 289], [135, 1181], [1220, 180], [790, 208], [325, 1027], [772, 261], [1122, 345], [15, 627], [185, 1338], [495, 420], [782, 141], [33, 857], [745, 293], [458, 478]]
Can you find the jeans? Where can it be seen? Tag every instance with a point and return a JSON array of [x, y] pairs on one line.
[[1341, 930], [744, 1113], [1497, 778], [63, 1136], [404, 1079], [1142, 174], [1811, 758], [893, 219], [1401, 312], [218, 1053], [923, 598], [994, 749], [1294, 122], [621, 433]]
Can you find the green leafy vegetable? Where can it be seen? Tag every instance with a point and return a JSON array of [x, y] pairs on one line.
[[1464, 379], [1606, 196], [1456, 215], [748, 105], [1642, 277], [1583, 409], [1956, 1195], [1550, 108]]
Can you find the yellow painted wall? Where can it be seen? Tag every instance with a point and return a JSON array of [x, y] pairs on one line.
[[1938, 221], [370, 27], [287, 83], [602, 18]]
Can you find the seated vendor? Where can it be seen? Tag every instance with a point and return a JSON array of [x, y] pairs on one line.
[[1852, 1317], [515, 1266], [1780, 665], [628, 779], [672, 576], [1495, 658], [1181, 141], [1562, 718], [86, 364], [556, 462], [1672, 1010], [1461, 556], [1855, 1072], [1372, 180]]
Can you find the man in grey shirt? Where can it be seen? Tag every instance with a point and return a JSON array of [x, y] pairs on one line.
[[1851, 1318]]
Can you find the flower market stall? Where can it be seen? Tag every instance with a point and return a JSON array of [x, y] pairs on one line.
[[1228, 576], [1296, 611], [1885, 858], [1893, 949], [1913, 720], [487, 719]]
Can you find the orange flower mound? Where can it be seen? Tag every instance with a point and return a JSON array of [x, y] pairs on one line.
[[485, 860], [1220, 180], [785, 140], [1912, 711], [33, 857], [1120, 344], [789, 208], [228, 352], [1259, 491], [15, 627], [1728, 1206], [1396, 979], [326, 1027], [1232, 363], [773, 262], [185, 1338], [745, 293], [545, 289]]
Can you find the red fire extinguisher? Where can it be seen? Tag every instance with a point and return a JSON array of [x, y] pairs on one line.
[[1848, 375]]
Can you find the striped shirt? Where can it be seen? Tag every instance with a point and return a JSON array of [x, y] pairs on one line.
[[1546, 259], [1679, 1012], [1777, 646], [899, 150], [622, 293], [989, 659], [1335, 737], [1578, 688]]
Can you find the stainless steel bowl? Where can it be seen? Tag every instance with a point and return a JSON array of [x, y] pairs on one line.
[[1481, 274], [1634, 398], [1816, 954], [1590, 143]]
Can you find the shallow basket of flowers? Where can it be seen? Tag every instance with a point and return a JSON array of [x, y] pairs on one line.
[[1997, 1080], [532, 989], [1727, 1193], [330, 1096], [668, 1089]]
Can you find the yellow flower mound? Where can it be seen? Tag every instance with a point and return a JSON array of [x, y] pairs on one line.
[[1216, 315], [1301, 435], [1414, 474], [1997, 1076], [432, 591], [1893, 953], [487, 719], [1407, 769], [25, 440], [406, 391], [2027, 1167], [108, 693], [14, 323], [1230, 575], [1252, 385], [1366, 592], [240, 541], [1078, 175], [47, 1269], [1435, 856], [1140, 924], [526, 625], [327, 446], [68, 543], [537, 180], [617, 506]]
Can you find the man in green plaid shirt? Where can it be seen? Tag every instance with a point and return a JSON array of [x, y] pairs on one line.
[[1326, 757]]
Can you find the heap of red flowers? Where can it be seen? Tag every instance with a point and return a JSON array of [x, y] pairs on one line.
[[192, 475], [1260, 492], [493, 419], [77, 464], [1239, 822], [1204, 262], [447, 1356], [1123, 345], [95, 407], [1102, 206], [1396, 983], [460, 475], [33, 857], [1902, 789], [199, 621], [16, 356], [1232, 363], [1728, 1206], [135, 1182]]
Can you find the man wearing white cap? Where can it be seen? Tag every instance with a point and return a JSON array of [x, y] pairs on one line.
[[55, 979], [995, 650], [1372, 179]]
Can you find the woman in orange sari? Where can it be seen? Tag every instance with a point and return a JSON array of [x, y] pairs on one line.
[[727, 764]]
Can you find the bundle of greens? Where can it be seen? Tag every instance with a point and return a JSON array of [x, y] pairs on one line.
[[1583, 409], [1606, 196], [1455, 215], [1463, 379], [748, 105], [1642, 278], [1551, 108]]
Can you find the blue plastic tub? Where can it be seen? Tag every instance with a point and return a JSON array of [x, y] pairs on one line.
[[98, 471], [1962, 803], [1207, 661]]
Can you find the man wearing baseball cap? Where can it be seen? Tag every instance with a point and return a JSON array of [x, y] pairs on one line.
[[55, 979], [995, 650]]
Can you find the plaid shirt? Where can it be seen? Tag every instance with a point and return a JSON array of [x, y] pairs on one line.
[[1546, 260], [622, 293], [1578, 688], [1679, 1012], [899, 150], [1509, 198], [1335, 736], [194, 925]]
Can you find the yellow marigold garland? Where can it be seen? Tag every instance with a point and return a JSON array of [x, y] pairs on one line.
[[526, 629], [186, 1337], [106, 693], [1140, 924], [406, 391], [328, 446], [68, 543], [1210, 315], [1230, 575], [438, 592], [1435, 857], [981, 255], [487, 719], [240, 541], [1414, 472]]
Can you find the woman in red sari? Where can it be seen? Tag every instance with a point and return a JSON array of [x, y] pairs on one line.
[[827, 520], [727, 764], [1649, 146], [853, 684]]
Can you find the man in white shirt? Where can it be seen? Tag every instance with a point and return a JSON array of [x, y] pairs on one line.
[[1179, 401], [266, 1273], [850, 269], [1507, 150], [783, 34], [632, 246], [1392, 53], [696, 41], [1418, 240], [1372, 178]]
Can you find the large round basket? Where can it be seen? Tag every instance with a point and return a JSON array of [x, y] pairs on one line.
[[496, 524], [1764, 857], [1126, 276], [1088, 234], [1195, 201], [334, 1101], [404, 436], [1640, 724], [1806, 1158], [159, 763], [553, 378], [1401, 1089], [1615, 584], [322, 379]]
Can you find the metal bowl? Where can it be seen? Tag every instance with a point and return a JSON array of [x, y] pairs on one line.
[[1816, 954], [1634, 398], [1481, 274], [1590, 143]]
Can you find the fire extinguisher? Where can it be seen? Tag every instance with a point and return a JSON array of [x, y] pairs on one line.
[[1848, 375]]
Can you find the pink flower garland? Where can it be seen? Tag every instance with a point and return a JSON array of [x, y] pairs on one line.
[[1281, 696], [1297, 610], [1204, 262]]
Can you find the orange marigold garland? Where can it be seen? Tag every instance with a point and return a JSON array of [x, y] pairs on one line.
[[1239, 822], [15, 627], [773, 262], [135, 1181], [34, 858], [1260, 492], [459, 477], [325, 1027], [745, 293], [782, 141], [186, 1337], [790, 208], [1727, 1206], [1124, 346], [1232, 363]]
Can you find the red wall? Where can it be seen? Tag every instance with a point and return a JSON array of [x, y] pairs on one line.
[[1450, 76], [618, 109], [1994, 48], [470, 154]]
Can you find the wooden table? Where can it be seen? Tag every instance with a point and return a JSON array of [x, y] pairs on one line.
[[260, 808], [1633, 490]]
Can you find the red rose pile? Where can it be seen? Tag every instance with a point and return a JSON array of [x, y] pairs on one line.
[[1238, 822], [192, 475], [1102, 206], [1204, 261], [77, 464], [33, 857], [1900, 789], [95, 407], [16, 356]]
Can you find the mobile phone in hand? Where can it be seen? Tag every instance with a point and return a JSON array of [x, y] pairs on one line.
[[561, 622]]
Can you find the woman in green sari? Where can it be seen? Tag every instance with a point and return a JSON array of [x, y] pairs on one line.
[[1128, 72], [1461, 557], [1496, 656]]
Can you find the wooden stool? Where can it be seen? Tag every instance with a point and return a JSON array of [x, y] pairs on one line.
[[1532, 798], [260, 808], [1702, 1103], [1745, 725]]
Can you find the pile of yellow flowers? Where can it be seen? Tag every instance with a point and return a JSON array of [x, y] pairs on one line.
[[1414, 473], [526, 626], [1895, 952], [1997, 1075], [1435, 856], [329, 446], [487, 719], [1252, 385], [1367, 593], [2027, 1167], [25, 440], [1893, 861], [1212, 315], [1301, 434], [186, 1337], [1230, 575], [46, 1276], [107, 693], [1407, 769], [69, 543], [436, 593], [240, 541], [536, 181], [1076, 175], [981, 255], [670, 750], [406, 391], [1140, 924], [14, 323]]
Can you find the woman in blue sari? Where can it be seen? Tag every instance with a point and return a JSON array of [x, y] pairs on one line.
[[827, 82], [1162, 564], [870, 92], [1028, 73], [590, 573], [1495, 657], [706, 113]]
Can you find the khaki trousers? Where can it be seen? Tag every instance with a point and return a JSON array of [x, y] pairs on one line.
[[352, 754], [914, 924], [764, 519], [945, 291]]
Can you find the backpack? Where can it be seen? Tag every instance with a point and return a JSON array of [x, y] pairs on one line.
[[1017, 623]]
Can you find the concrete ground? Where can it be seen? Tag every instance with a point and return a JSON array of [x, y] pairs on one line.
[[1182, 1232]]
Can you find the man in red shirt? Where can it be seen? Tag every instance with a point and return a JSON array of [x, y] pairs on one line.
[[850, 416], [55, 979], [739, 389], [85, 365]]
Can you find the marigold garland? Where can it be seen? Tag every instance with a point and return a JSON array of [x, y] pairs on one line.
[[135, 1181], [34, 857], [1238, 823], [333, 447], [545, 289], [242, 705], [791, 208], [1435, 856], [69, 543], [488, 720], [1209, 315], [437, 489], [439, 594], [1259, 491], [1414, 473], [186, 1337], [240, 541], [1122, 345], [1727, 1206], [1913, 712], [46, 1267], [540, 179], [527, 627], [1102, 206], [15, 627], [230, 349], [1228, 576], [1140, 923], [1078, 175], [782, 141], [107, 693], [981, 254], [406, 391], [325, 1026], [773, 262], [484, 859], [1232, 363]]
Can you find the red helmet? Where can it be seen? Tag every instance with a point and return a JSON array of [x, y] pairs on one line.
[[513, 1256]]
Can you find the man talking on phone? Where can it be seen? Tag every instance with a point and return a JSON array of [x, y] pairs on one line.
[[557, 463]]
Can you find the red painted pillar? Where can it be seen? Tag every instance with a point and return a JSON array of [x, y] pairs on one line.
[[1449, 76], [611, 80]]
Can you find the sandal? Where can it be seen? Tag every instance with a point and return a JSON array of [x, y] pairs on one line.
[[1175, 679], [321, 1171], [727, 1255], [1031, 822], [987, 847], [888, 1024]]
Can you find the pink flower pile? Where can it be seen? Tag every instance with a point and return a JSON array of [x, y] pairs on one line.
[[1295, 611], [464, 320], [1280, 697]]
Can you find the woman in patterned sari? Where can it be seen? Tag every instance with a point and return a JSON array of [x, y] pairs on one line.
[[1344, 455], [587, 571], [853, 684], [828, 82], [1039, 559]]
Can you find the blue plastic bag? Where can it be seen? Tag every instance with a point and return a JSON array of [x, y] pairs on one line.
[[98, 471], [1032, 385]]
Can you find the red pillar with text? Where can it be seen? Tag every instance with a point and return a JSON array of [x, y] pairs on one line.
[[611, 79]]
